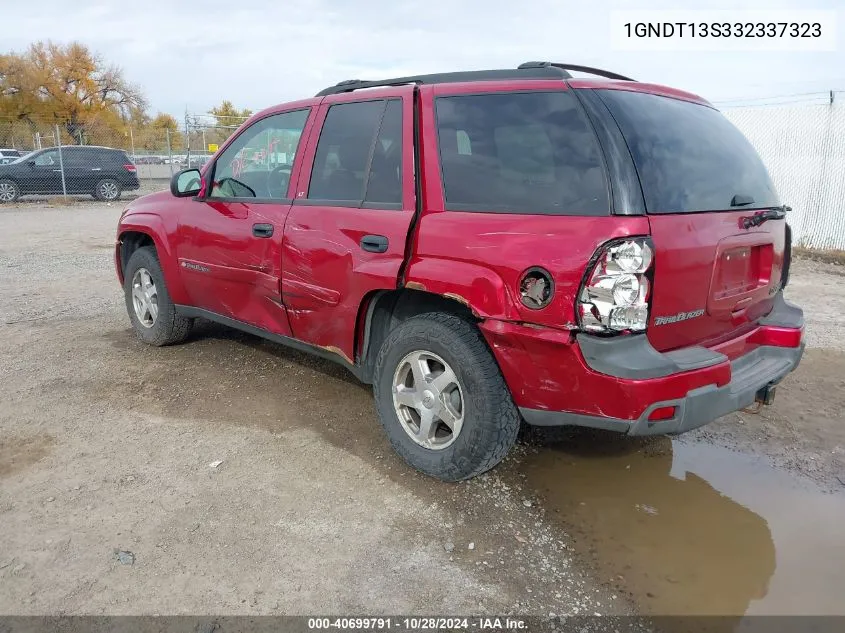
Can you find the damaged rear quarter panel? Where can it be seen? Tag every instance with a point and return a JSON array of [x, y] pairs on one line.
[[478, 259]]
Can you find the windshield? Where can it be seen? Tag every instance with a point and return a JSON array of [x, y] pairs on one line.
[[689, 157], [26, 157]]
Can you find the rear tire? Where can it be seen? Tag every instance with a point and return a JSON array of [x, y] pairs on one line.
[[9, 190], [107, 189], [453, 352], [151, 312]]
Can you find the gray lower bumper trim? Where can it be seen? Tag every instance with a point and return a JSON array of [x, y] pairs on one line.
[[750, 373], [632, 357]]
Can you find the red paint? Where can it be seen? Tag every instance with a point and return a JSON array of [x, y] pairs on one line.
[[545, 370], [662, 413], [326, 274], [693, 271], [311, 280], [613, 84], [777, 336]]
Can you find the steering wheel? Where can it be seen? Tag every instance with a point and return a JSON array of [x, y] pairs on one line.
[[278, 180]]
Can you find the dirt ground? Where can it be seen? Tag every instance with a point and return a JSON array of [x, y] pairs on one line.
[[109, 503]]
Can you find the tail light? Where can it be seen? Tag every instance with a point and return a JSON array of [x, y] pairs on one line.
[[614, 295], [130, 167]]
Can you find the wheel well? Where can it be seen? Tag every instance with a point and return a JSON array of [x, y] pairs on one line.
[[130, 242], [383, 310]]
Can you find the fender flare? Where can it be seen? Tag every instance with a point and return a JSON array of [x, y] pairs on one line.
[[479, 288], [152, 224]]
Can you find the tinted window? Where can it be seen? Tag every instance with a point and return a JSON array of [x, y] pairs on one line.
[[50, 157], [384, 184], [530, 152], [117, 156], [258, 163], [343, 151], [78, 157], [688, 156]]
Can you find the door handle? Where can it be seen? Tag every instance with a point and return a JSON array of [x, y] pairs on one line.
[[262, 230], [374, 243]]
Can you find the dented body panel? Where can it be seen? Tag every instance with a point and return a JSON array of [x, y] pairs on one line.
[[316, 282]]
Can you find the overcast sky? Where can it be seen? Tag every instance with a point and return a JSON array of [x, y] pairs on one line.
[[192, 55]]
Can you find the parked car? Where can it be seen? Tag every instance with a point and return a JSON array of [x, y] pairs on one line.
[[8, 155], [484, 248], [102, 172], [149, 160]]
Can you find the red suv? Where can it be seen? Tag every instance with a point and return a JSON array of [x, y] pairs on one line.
[[483, 248]]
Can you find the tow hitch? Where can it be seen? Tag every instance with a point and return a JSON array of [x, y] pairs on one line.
[[766, 395]]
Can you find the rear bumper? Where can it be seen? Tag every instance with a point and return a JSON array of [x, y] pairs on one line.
[[616, 384], [760, 369]]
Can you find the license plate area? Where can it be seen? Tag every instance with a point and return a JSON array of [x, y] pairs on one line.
[[742, 269], [742, 273]]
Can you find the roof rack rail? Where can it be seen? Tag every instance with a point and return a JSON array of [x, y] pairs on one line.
[[540, 70], [583, 69]]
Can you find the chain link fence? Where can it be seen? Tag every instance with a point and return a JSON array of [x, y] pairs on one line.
[[43, 157], [801, 139], [205, 133]]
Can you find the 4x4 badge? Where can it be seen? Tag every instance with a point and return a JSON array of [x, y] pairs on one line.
[[681, 316]]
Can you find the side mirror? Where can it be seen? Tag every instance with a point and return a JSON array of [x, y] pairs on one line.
[[186, 183], [31, 163]]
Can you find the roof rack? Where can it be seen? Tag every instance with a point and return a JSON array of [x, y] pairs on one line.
[[582, 69], [528, 70], [533, 72]]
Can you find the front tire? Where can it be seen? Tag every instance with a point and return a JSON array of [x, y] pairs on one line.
[[151, 312], [107, 189], [441, 398], [9, 190]]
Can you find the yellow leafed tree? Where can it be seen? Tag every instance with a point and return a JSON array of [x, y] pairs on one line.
[[66, 85]]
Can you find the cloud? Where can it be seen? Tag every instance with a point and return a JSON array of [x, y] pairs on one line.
[[192, 55]]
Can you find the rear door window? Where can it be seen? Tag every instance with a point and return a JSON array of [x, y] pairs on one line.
[[384, 184], [689, 157], [76, 157], [344, 151], [520, 152]]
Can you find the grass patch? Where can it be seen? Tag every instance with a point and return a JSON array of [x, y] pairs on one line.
[[830, 256]]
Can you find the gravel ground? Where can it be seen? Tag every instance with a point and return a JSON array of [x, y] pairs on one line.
[[107, 445], [106, 449]]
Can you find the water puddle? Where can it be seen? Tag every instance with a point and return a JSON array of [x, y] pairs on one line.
[[690, 528]]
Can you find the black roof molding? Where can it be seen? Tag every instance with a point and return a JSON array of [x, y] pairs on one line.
[[577, 68], [533, 72], [528, 70]]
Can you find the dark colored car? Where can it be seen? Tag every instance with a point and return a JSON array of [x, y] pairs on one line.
[[102, 172], [8, 155], [484, 248]]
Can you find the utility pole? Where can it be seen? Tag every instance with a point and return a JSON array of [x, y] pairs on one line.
[[169, 151], [61, 161], [187, 136], [132, 143]]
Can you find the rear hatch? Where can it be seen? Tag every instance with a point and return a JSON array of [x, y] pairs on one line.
[[701, 180]]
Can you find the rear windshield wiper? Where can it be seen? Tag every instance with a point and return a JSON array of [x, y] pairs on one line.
[[772, 213]]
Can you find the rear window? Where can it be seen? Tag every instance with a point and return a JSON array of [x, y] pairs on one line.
[[526, 152], [688, 156]]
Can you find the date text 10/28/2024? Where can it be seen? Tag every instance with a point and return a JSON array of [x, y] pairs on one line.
[[419, 623]]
